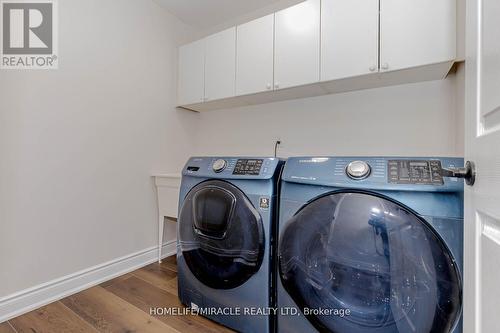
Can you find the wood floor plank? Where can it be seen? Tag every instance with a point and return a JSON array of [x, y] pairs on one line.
[[157, 275], [170, 263], [53, 318], [162, 270], [118, 305], [5, 328], [172, 286], [109, 313], [146, 296], [171, 259], [115, 280]]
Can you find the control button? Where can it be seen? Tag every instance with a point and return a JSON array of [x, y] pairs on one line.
[[358, 170], [219, 165]]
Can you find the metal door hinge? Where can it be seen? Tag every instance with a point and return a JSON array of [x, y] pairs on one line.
[[468, 173]]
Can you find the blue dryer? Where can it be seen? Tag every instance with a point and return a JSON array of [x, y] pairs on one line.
[[226, 231], [370, 245]]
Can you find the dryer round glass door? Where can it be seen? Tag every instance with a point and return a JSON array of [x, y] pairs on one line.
[[221, 235], [371, 259]]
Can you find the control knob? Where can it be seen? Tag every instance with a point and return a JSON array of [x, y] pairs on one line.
[[358, 170], [219, 165]]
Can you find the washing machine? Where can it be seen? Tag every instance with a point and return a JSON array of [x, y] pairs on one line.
[[370, 245], [226, 235]]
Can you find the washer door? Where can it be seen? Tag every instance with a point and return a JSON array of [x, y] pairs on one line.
[[221, 235], [366, 253]]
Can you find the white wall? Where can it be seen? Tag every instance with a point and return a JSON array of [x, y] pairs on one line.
[[416, 119], [78, 144], [271, 8], [420, 119]]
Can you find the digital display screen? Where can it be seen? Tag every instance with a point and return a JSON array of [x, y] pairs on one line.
[[250, 167], [419, 164]]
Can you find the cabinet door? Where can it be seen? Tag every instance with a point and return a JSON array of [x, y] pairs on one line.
[[191, 67], [415, 33], [297, 45], [349, 38], [220, 64], [254, 56]]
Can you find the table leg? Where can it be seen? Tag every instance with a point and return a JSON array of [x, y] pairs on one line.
[[161, 223]]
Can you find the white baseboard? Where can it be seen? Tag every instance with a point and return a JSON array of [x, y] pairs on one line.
[[32, 298]]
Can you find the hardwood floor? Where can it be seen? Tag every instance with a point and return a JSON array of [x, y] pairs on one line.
[[119, 305]]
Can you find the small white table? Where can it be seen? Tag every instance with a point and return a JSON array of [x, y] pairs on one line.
[[167, 190]]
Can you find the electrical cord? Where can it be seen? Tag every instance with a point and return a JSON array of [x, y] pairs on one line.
[[276, 144]]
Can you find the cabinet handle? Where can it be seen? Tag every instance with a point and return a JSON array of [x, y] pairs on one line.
[[277, 85], [385, 65], [372, 68], [268, 86]]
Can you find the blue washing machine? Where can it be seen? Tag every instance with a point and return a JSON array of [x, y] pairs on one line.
[[226, 231], [370, 245]]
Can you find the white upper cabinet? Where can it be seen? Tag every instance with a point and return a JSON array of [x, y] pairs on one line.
[[220, 64], [254, 56], [191, 68], [318, 47], [297, 45], [349, 38], [416, 33]]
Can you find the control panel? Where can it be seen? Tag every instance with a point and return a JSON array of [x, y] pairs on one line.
[[226, 167], [414, 172], [419, 174], [249, 167]]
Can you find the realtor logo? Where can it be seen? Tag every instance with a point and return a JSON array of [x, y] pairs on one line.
[[29, 34]]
